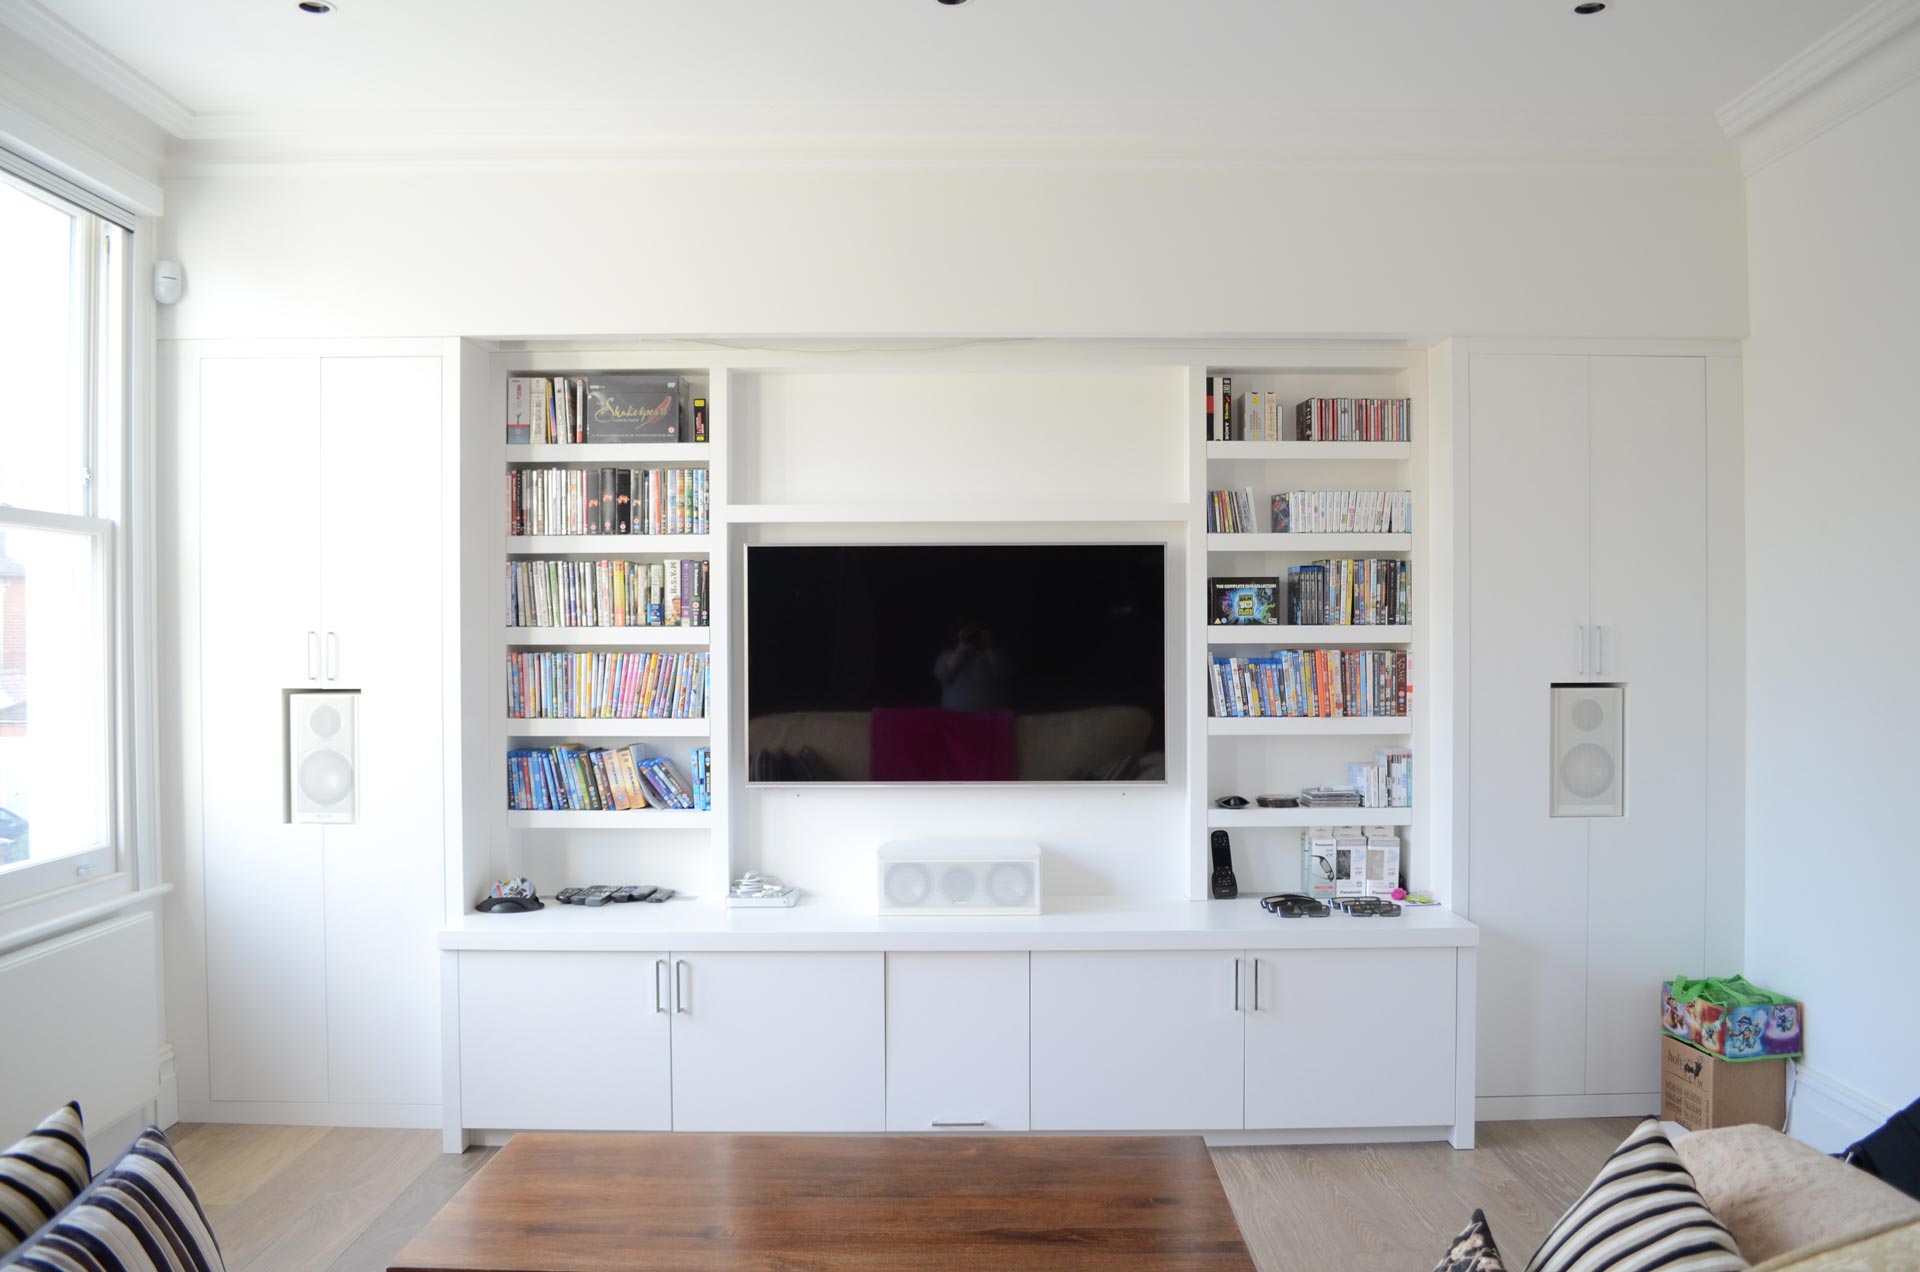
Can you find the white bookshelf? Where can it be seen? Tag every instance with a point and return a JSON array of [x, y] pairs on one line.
[[568, 848], [1257, 755]]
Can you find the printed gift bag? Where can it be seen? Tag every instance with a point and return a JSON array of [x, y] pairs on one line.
[[1731, 1017]]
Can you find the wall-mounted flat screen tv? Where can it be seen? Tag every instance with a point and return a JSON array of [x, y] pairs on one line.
[[956, 663]]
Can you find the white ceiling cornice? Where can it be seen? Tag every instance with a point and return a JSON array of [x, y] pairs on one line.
[[1859, 62], [31, 22]]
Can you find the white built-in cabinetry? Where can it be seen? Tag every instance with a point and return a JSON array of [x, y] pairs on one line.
[[1587, 527], [957, 1041], [317, 566]]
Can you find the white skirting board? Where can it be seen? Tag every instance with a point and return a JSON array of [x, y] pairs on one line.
[[294, 1113], [1516, 1108], [1215, 1139], [1829, 1114]]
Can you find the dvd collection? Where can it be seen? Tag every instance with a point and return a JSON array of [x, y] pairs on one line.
[[624, 686], [600, 408], [622, 779], [1310, 683], [1259, 416], [669, 593], [1342, 512], [1230, 512], [1351, 592], [607, 501], [1386, 781]]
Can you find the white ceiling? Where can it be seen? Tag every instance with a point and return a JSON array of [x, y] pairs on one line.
[[1649, 69]]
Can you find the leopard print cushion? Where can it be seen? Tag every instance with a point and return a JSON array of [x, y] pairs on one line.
[[1473, 1250]]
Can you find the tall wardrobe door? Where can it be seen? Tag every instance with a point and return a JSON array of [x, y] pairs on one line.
[[381, 582], [1647, 870], [259, 556], [1527, 514]]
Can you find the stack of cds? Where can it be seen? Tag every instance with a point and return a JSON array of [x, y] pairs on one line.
[[1329, 797]]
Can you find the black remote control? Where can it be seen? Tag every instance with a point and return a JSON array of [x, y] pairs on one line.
[[1225, 886]]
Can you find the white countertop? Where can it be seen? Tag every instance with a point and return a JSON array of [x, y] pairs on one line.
[[1070, 923]]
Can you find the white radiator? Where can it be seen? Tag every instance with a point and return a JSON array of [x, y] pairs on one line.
[[82, 1013]]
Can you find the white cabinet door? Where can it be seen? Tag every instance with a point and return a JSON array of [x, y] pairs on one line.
[[957, 1042], [1321, 1053], [1528, 531], [779, 1042], [1646, 879], [1137, 1041], [381, 580], [564, 1042], [259, 555]]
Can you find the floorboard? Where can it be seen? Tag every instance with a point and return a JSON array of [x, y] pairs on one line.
[[307, 1199]]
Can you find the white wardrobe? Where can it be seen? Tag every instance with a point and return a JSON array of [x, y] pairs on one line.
[[1587, 541], [319, 567]]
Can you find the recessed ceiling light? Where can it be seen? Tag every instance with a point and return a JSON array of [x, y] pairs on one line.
[[953, 1], [315, 7], [1589, 8]]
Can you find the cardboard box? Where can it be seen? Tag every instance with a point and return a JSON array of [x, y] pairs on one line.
[[1700, 1091]]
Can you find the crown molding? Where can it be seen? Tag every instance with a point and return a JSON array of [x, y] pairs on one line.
[[33, 23], [1864, 59]]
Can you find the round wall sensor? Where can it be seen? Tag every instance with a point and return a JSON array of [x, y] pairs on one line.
[[169, 281], [315, 7], [1589, 8]]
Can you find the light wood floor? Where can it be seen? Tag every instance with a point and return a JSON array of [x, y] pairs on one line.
[[293, 1198]]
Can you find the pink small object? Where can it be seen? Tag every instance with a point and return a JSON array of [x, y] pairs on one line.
[[1399, 894]]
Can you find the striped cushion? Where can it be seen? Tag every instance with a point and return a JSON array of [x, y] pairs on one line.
[[1641, 1213], [41, 1174], [139, 1216]]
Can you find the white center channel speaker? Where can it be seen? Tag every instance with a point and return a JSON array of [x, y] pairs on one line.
[[1589, 751], [322, 757], [960, 876]]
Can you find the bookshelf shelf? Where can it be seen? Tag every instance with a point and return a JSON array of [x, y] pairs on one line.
[[1307, 726], [609, 637], [661, 454], [1348, 636], [607, 728], [1316, 544], [1387, 452], [941, 512], [1253, 818], [662, 545], [648, 819]]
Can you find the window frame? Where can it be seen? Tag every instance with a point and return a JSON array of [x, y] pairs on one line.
[[101, 277]]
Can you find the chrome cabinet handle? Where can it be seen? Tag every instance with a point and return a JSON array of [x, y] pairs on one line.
[[938, 1122], [1599, 650], [313, 655], [1236, 984], [333, 655], [1253, 1002], [1580, 647], [659, 974], [682, 989]]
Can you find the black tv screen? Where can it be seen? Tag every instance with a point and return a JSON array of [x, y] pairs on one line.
[[949, 663]]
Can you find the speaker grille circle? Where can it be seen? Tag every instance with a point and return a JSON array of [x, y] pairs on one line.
[[1588, 715], [1009, 883], [324, 721], [958, 883], [1586, 771], [326, 777], [908, 884]]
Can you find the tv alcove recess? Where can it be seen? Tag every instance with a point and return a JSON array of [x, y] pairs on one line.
[[1131, 1003]]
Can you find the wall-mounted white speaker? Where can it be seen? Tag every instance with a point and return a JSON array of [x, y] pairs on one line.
[[1589, 751], [959, 876], [322, 757]]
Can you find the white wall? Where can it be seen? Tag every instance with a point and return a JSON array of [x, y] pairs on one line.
[[1831, 450], [957, 250]]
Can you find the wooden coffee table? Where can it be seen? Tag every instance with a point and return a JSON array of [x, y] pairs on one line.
[[584, 1203]]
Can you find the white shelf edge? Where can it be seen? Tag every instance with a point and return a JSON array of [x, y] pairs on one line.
[[609, 452], [1255, 818], [935, 512], [612, 819], [617, 544], [1377, 452], [1308, 726], [1309, 542], [597, 727], [1315, 634], [624, 637]]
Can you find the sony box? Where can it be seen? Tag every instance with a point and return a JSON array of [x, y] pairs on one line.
[[1701, 1092], [633, 408]]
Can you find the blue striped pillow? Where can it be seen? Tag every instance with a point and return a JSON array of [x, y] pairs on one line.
[[1642, 1213], [141, 1215], [41, 1174]]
